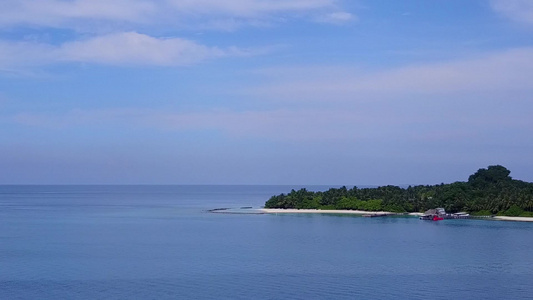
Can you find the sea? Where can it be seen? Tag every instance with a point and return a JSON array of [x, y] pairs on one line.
[[161, 242]]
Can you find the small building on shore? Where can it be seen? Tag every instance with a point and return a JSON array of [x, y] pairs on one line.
[[437, 214], [434, 214]]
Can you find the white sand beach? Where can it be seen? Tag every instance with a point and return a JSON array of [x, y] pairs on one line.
[[318, 211], [416, 214], [518, 219], [362, 212]]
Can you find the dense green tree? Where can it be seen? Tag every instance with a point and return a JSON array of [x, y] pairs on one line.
[[489, 176], [488, 190]]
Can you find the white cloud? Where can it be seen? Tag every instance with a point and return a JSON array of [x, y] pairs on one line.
[[173, 13], [337, 18], [61, 13], [517, 10], [111, 29], [22, 54], [248, 8], [503, 71], [127, 48], [132, 48], [232, 14]]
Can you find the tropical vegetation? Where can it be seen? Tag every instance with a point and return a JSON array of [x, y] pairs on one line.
[[489, 191]]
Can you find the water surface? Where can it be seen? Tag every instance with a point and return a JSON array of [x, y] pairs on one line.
[[158, 242]]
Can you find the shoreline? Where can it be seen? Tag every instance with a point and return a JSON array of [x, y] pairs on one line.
[[516, 219], [328, 211], [383, 213]]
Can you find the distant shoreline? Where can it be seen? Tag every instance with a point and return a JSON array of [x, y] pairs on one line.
[[362, 212], [349, 212], [517, 219], [328, 211]]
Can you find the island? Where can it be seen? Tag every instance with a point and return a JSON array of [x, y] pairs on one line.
[[489, 191]]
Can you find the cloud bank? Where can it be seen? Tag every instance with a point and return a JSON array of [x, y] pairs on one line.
[[509, 70], [111, 29], [132, 48], [246, 8], [57, 13], [449, 101], [516, 10], [125, 48]]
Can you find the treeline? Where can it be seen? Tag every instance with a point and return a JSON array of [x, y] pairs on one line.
[[487, 192]]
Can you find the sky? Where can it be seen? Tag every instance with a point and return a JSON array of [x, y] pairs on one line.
[[353, 92]]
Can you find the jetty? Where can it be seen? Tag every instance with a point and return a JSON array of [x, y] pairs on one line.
[[383, 214]]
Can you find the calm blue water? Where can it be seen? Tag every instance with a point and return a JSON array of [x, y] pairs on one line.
[[158, 242]]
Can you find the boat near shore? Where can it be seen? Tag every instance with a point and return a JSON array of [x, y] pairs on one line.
[[439, 214]]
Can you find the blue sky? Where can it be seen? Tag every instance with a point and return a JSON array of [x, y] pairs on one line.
[[264, 92]]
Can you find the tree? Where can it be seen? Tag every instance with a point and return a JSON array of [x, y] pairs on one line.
[[490, 189], [491, 175]]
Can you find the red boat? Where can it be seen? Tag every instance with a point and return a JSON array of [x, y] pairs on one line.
[[437, 218]]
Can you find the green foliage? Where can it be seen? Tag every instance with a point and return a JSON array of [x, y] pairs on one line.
[[482, 213], [514, 211], [491, 175], [489, 191], [327, 207], [394, 208], [528, 214], [373, 205], [348, 203]]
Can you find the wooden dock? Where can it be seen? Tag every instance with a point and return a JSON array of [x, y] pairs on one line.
[[378, 215]]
